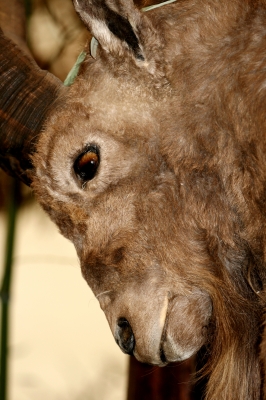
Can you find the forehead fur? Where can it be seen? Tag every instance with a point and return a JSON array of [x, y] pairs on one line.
[[113, 103]]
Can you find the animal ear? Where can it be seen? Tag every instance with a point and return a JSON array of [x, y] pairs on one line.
[[118, 26]]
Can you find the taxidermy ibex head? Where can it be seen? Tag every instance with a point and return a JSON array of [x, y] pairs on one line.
[[153, 164], [103, 176]]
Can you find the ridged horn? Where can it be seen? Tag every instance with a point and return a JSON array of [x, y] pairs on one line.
[[27, 93]]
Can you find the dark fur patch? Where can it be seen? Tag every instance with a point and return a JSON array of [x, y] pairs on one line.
[[122, 29]]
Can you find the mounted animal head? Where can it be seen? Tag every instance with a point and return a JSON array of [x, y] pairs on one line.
[[152, 164], [103, 177]]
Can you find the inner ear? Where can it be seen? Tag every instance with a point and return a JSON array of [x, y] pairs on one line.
[[107, 23], [122, 29]]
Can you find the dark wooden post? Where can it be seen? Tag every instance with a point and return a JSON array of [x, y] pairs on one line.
[[173, 382]]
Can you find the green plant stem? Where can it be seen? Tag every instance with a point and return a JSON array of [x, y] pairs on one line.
[[5, 290]]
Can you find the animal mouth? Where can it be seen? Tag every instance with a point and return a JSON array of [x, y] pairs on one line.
[[169, 331], [163, 357], [180, 339]]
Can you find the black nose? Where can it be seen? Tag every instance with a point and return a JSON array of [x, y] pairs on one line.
[[124, 336]]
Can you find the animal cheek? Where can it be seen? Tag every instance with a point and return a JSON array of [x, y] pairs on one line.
[[100, 276], [118, 255], [79, 243], [66, 226]]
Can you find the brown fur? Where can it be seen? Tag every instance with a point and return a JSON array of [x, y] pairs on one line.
[[171, 231]]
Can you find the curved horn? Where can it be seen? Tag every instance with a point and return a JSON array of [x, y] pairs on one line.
[[27, 94]]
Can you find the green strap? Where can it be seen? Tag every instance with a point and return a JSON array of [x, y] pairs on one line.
[[75, 69]]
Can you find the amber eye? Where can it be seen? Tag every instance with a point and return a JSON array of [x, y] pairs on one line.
[[87, 163]]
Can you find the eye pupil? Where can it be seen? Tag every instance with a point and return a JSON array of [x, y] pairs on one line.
[[87, 163]]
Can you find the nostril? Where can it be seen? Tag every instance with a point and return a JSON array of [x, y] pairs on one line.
[[123, 323], [124, 336]]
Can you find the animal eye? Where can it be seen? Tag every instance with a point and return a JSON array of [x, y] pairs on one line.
[[87, 163]]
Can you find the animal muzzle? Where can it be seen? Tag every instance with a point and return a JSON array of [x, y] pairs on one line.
[[125, 339], [137, 323], [159, 331]]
